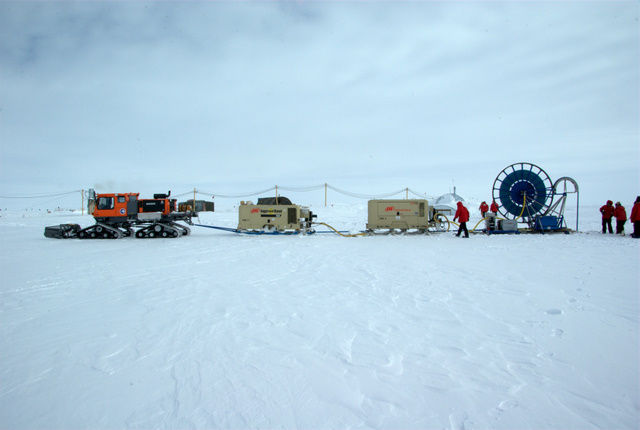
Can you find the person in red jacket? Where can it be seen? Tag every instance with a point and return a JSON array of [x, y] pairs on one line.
[[635, 218], [484, 208], [462, 214], [607, 213], [494, 207], [621, 218]]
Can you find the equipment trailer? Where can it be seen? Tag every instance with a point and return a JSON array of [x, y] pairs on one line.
[[116, 216]]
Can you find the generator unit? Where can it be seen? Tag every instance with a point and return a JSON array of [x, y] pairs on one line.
[[495, 225], [491, 222], [400, 215], [508, 225], [274, 215]]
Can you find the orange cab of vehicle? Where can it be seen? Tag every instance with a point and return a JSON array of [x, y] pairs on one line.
[[116, 205]]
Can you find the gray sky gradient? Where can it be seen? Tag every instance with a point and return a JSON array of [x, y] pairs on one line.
[[367, 96]]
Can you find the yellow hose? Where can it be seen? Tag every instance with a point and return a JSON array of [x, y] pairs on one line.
[[445, 217], [365, 234], [524, 204], [476, 226], [458, 225], [434, 217], [341, 234], [473, 229]]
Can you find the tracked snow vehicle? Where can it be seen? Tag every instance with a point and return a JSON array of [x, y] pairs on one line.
[[123, 215]]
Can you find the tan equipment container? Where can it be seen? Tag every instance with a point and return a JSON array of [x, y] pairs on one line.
[[274, 215], [398, 215]]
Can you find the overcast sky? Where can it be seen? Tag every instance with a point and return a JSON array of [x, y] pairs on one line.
[[369, 97]]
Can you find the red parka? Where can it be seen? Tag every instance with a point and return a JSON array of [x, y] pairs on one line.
[[635, 212], [607, 210], [484, 207], [462, 213], [494, 207], [620, 213]]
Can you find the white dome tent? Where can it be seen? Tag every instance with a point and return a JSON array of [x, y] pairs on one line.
[[447, 202]]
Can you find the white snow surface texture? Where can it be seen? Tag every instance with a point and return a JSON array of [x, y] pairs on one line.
[[223, 331]]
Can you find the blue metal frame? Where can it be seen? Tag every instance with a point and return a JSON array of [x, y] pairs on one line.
[[549, 223]]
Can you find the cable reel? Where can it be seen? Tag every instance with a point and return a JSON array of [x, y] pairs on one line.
[[524, 190]]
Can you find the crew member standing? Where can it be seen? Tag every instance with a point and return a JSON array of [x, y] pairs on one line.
[[621, 218], [635, 218], [484, 208], [462, 214], [494, 207], [607, 213]]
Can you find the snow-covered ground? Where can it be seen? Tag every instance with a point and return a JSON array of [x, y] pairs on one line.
[[217, 330]]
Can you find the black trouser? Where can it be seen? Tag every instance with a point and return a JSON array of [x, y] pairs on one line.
[[606, 222], [620, 226], [636, 229], [463, 227]]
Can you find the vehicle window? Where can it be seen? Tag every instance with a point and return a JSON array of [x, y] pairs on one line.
[[120, 199], [105, 203]]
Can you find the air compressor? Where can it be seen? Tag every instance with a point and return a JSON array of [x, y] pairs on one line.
[[413, 215], [274, 215]]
